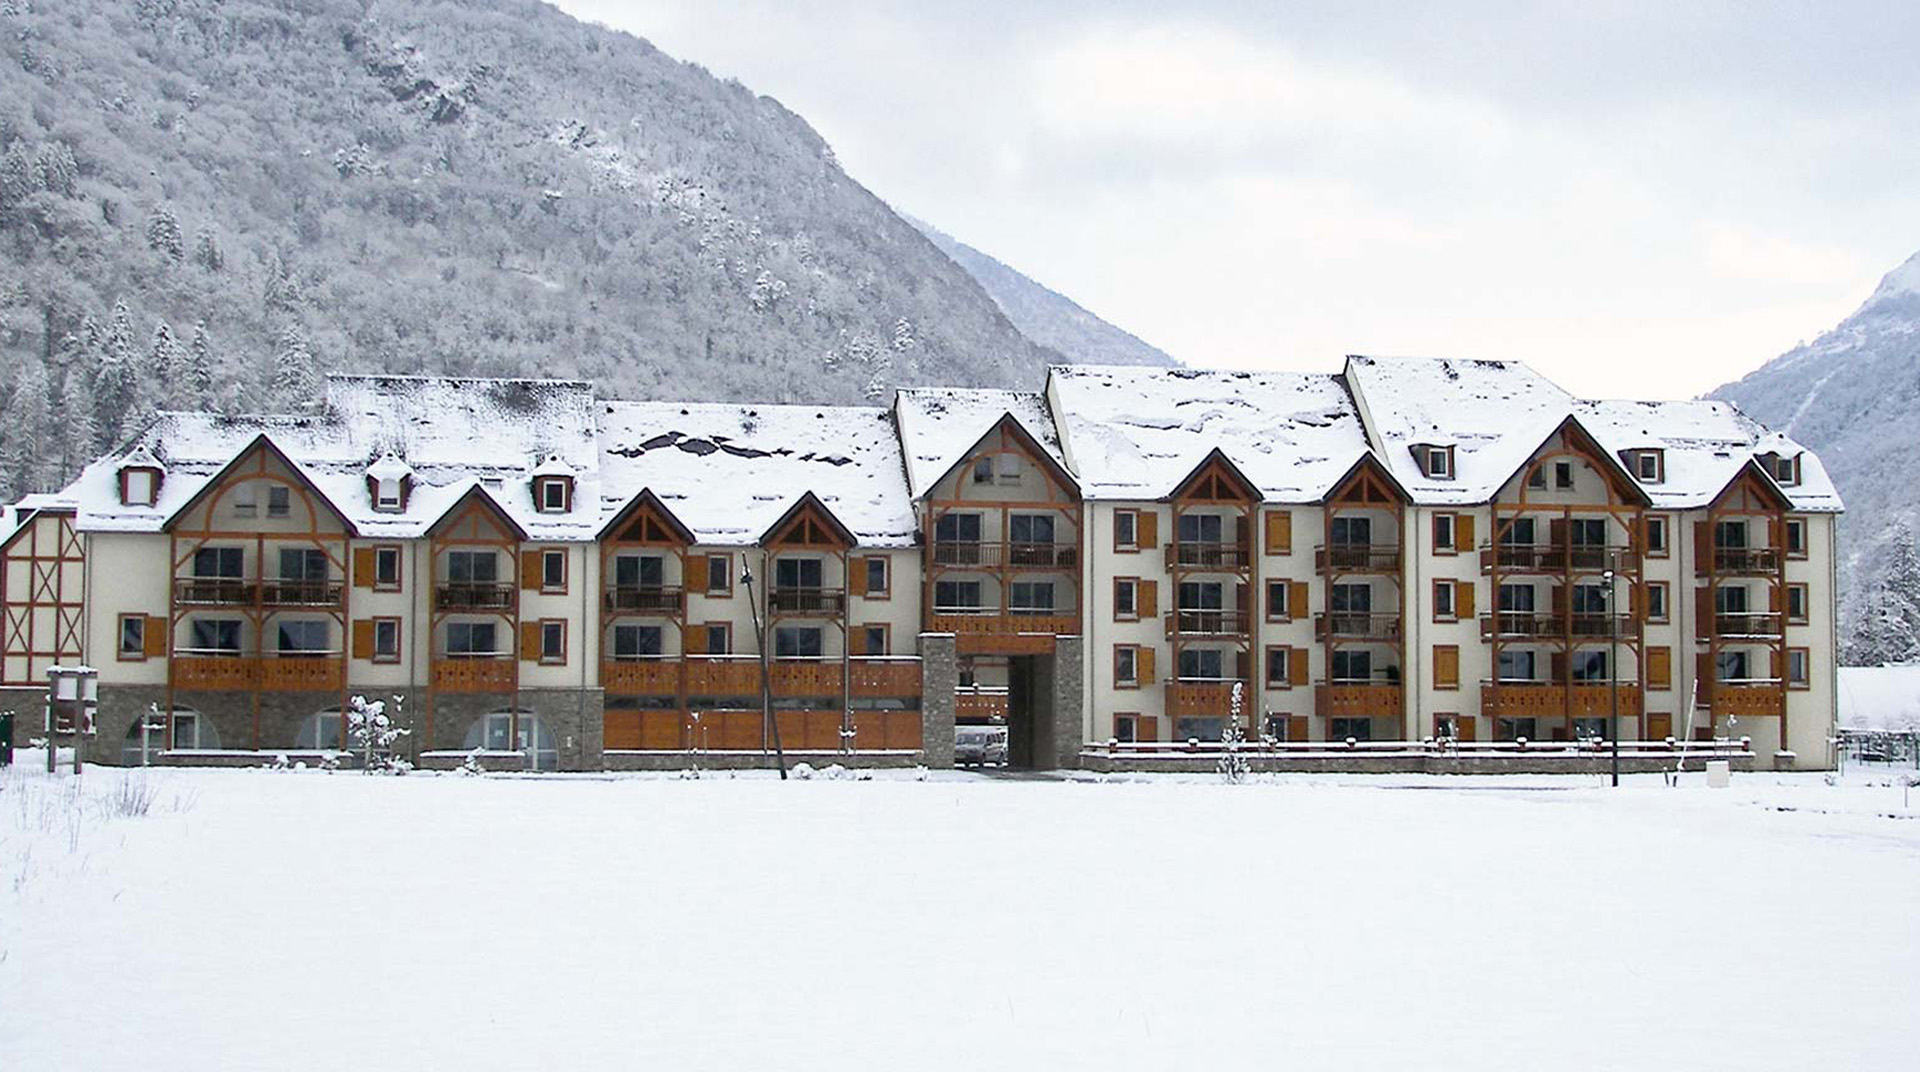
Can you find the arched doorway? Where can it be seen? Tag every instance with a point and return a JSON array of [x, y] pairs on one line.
[[147, 737]]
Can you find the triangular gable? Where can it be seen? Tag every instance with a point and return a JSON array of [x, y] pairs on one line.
[[643, 504], [477, 495], [1366, 480], [805, 522], [264, 442], [1027, 441], [1589, 444], [1214, 474], [1755, 475]]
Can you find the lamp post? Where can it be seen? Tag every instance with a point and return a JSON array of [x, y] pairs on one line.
[[769, 726], [1613, 666]]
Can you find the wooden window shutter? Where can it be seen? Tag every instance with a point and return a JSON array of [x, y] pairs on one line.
[[530, 572], [1559, 665], [857, 642], [1773, 598], [1297, 668], [1280, 532], [1143, 666], [1660, 668], [1446, 666], [1243, 666], [1147, 728], [1146, 531], [1703, 611], [1296, 727], [1559, 601], [1463, 600], [363, 639], [693, 639], [857, 581], [1243, 598], [1146, 599], [153, 638], [1463, 531], [1297, 600], [1241, 538], [1557, 533], [1702, 547], [363, 567], [530, 640], [1776, 662]]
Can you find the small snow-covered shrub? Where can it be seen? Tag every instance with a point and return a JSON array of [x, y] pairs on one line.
[[471, 765], [1233, 766], [374, 735], [801, 771]]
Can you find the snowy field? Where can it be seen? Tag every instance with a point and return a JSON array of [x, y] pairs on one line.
[[294, 920]]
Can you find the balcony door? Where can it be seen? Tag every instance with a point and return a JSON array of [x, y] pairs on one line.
[[1201, 528], [1352, 666], [792, 573], [473, 567], [639, 571], [303, 564], [1352, 531], [471, 640], [218, 563], [1200, 664]]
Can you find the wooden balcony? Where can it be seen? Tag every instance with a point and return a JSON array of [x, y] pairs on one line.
[[1525, 625], [1208, 623], [806, 677], [1748, 561], [485, 674], [316, 673], [808, 602], [980, 703], [723, 675], [466, 596], [214, 592], [1208, 555], [301, 593], [1357, 558], [1206, 699], [885, 677], [966, 554], [1357, 699], [1549, 699], [1744, 626], [1548, 558], [641, 677], [1000, 633], [642, 600], [1353, 625], [246, 673], [215, 673], [1746, 699]]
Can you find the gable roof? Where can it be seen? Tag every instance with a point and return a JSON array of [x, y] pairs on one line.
[[941, 425], [261, 442], [1136, 433], [1705, 443], [646, 500], [812, 502]]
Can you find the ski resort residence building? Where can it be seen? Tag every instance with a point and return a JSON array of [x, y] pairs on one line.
[[1410, 551]]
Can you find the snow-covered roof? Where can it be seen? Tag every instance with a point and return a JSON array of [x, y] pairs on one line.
[[1705, 443], [729, 471], [938, 425], [1135, 432]]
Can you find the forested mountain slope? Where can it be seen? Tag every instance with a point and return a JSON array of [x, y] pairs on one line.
[[212, 200]]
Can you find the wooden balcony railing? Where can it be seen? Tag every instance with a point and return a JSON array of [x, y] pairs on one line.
[[1003, 632], [1750, 699], [214, 592], [1357, 558], [1357, 699], [1027, 555], [1205, 699], [806, 677], [300, 593], [1764, 626], [301, 674], [885, 676], [656, 676], [217, 673], [980, 703], [1751, 560], [473, 596], [1197, 622], [489, 673], [645, 599], [818, 602], [248, 673], [1202, 554], [1550, 699], [1559, 558], [723, 675], [1356, 625]]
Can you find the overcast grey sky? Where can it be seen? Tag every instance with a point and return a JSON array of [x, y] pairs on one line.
[[1644, 198]]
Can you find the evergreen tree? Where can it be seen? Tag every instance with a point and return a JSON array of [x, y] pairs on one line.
[[116, 386], [25, 419], [197, 392], [206, 251], [295, 377], [164, 236], [59, 171], [73, 422], [167, 364]]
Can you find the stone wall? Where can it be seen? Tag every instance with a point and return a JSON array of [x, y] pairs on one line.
[[939, 677]]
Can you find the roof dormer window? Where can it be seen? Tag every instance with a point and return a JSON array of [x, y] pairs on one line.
[[1648, 466], [1436, 462], [553, 494], [1784, 468], [388, 482], [140, 476], [386, 496]]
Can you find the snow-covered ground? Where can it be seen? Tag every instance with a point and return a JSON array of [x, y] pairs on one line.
[[290, 920]]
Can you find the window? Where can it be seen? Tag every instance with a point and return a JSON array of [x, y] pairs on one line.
[[1443, 534], [1656, 537], [1126, 607], [133, 637], [797, 642], [1589, 665], [1796, 529], [1349, 531], [1590, 729], [1785, 470], [303, 564], [956, 595], [957, 528], [874, 639], [246, 500], [1126, 530], [1537, 477], [639, 571], [1563, 475], [1349, 665], [719, 575], [1588, 599], [1797, 604], [1351, 598], [1030, 528], [1201, 595], [983, 470], [553, 640], [1279, 609], [1032, 597], [1439, 463], [1126, 666], [301, 636], [1199, 728], [719, 639], [1731, 666], [877, 577], [1009, 469], [1514, 729], [386, 495], [139, 487], [797, 573], [1200, 528], [1516, 599], [279, 500], [1446, 727], [1518, 533], [638, 641], [1515, 665], [215, 636], [1200, 664], [217, 562], [1730, 534], [473, 567], [1280, 667], [1647, 466], [1730, 599], [1126, 727], [386, 568], [386, 640], [553, 495], [1657, 610], [1587, 531], [1350, 729], [1443, 607], [470, 640], [553, 571], [1799, 668]]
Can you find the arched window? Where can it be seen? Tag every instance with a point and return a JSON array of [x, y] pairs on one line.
[[494, 732], [191, 730]]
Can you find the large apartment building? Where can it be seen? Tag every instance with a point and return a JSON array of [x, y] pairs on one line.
[[1406, 549]]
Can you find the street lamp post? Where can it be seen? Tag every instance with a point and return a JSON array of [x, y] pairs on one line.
[[1613, 665], [769, 726]]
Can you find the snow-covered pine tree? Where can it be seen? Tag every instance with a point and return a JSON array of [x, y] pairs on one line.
[[167, 364], [73, 421], [164, 236], [197, 392], [116, 385], [1233, 766], [25, 420], [295, 378], [59, 171], [373, 734], [206, 250]]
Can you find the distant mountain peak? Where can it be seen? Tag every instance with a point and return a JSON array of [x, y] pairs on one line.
[[1899, 283]]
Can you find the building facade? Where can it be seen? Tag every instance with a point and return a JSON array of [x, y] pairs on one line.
[[1408, 549]]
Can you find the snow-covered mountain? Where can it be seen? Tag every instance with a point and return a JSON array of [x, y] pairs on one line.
[[1047, 317], [486, 187], [1852, 394]]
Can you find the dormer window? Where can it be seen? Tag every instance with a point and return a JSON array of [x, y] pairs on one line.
[[1648, 466], [553, 494], [140, 476], [1785, 469], [388, 481], [386, 496], [1436, 462]]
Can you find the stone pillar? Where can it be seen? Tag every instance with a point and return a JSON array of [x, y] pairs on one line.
[[1069, 709], [939, 677]]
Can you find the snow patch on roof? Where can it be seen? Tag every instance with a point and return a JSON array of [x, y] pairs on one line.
[[1706, 443], [939, 425]]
